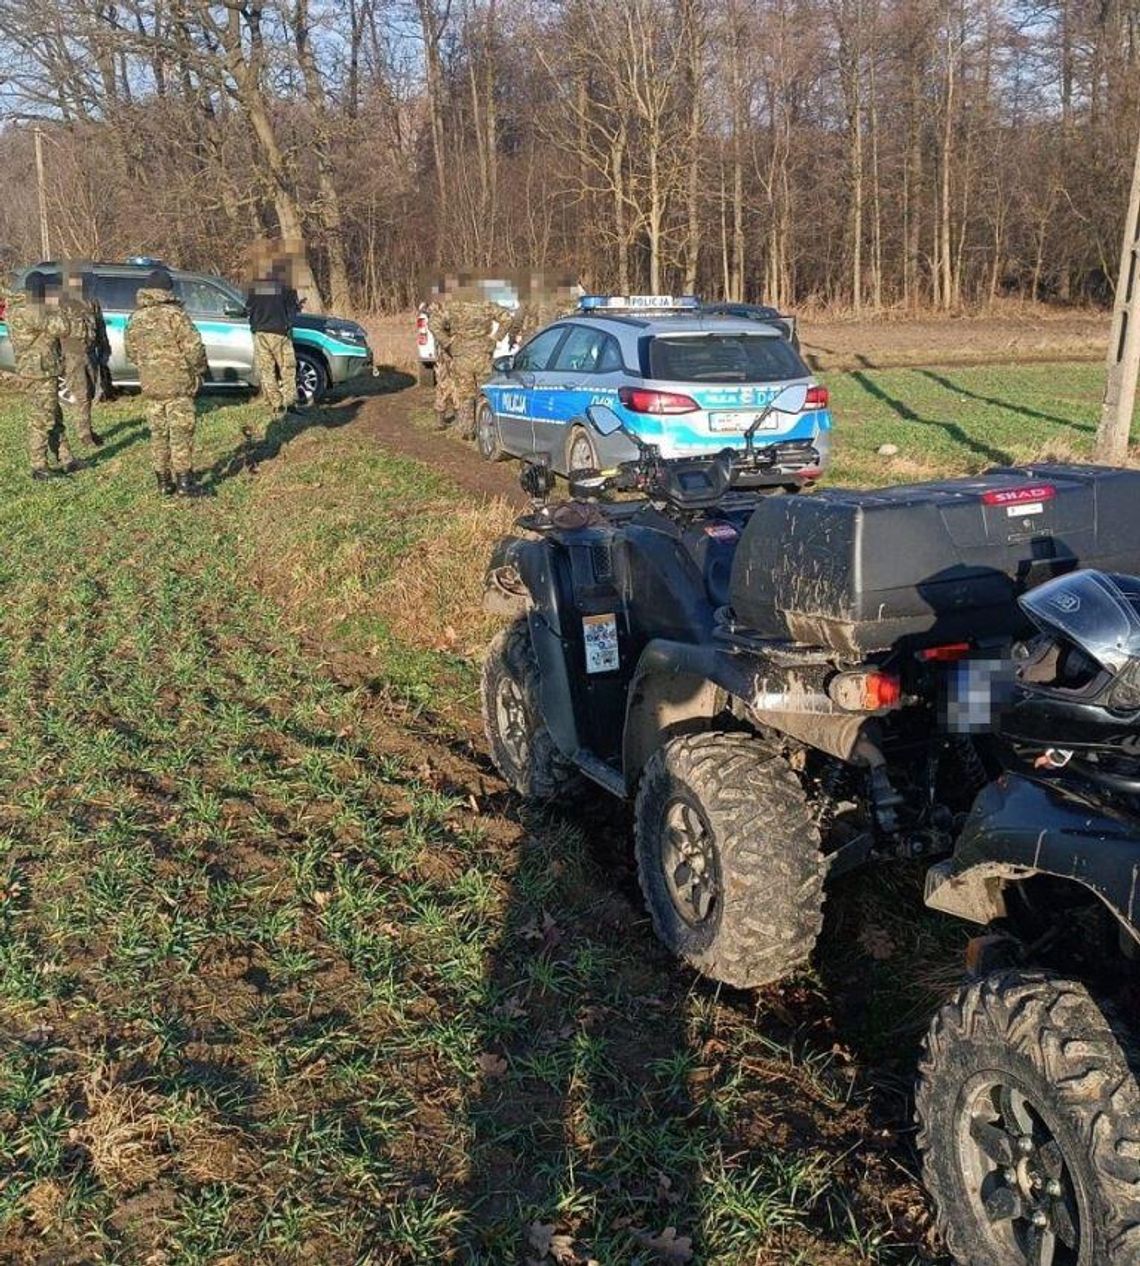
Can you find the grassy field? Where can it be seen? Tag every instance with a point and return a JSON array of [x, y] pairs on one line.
[[284, 974]]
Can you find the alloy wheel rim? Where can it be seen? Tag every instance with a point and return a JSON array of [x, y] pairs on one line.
[[485, 434], [1016, 1171], [510, 717], [306, 382], [581, 454], [689, 863]]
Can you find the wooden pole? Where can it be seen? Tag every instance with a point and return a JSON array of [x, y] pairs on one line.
[[1123, 360], [45, 241]]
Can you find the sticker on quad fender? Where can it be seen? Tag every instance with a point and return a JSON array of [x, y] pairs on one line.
[[599, 632]]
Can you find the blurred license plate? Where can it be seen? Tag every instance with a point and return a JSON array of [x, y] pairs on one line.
[[740, 422]]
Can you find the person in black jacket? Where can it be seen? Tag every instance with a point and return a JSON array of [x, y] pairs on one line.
[[272, 305]]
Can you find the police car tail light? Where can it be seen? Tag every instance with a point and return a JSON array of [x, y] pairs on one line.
[[817, 398], [639, 401]]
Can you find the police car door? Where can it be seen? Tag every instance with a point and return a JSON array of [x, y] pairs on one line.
[[579, 374], [518, 401], [224, 328]]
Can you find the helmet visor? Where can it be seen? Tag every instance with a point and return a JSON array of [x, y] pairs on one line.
[[1098, 612]]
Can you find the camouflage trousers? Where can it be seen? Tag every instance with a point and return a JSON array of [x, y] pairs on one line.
[[81, 378], [464, 381], [277, 369], [45, 424], [444, 388], [171, 434]]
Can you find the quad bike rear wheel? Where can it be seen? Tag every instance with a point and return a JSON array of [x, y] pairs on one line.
[[521, 746], [728, 858], [1029, 1124]]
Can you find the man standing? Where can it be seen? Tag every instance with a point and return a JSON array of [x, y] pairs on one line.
[[168, 352], [36, 324], [469, 327], [272, 305], [80, 355], [437, 317]]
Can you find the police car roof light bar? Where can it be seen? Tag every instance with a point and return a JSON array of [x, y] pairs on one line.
[[638, 303]]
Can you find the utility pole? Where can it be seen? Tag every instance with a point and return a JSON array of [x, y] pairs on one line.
[[1123, 361], [45, 241]]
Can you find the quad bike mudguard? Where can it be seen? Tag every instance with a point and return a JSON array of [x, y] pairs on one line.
[[1020, 827]]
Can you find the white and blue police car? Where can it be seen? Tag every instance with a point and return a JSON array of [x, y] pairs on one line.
[[690, 382]]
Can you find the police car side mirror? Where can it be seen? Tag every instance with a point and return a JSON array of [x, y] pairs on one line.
[[603, 419], [236, 311], [503, 364]]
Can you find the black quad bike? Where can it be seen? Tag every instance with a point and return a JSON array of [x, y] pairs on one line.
[[786, 687]]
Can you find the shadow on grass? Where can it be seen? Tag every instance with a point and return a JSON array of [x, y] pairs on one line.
[[952, 429], [338, 409], [1021, 410]]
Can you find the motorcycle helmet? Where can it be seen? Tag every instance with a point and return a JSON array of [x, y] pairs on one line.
[[1077, 689]]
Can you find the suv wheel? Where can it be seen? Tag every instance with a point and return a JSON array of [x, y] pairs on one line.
[[487, 434], [312, 377], [1029, 1124], [728, 858], [521, 746]]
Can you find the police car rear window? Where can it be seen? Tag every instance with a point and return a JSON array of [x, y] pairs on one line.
[[722, 358]]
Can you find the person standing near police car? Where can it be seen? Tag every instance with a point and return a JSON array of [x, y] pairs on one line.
[[467, 329], [36, 326], [80, 349], [272, 305], [166, 348]]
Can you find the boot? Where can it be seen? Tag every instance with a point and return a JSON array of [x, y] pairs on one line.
[[164, 482], [44, 473], [187, 485], [70, 467], [94, 439], [443, 421]]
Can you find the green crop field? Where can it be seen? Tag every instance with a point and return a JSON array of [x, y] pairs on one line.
[[286, 976]]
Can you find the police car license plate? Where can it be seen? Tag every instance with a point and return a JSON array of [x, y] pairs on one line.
[[741, 421]]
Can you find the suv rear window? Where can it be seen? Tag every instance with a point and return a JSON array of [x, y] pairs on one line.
[[722, 358]]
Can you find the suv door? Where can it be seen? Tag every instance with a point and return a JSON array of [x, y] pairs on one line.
[[224, 328], [117, 294]]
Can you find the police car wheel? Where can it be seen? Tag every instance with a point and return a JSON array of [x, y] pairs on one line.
[[487, 434], [580, 453], [312, 379]]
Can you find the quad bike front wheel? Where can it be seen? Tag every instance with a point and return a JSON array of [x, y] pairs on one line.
[[521, 746], [728, 858], [1029, 1124]]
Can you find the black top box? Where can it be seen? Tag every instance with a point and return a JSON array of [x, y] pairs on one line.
[[859, 572]]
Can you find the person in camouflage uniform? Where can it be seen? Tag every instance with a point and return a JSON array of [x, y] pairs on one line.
[[36, 324], [544, 304], [80, 355], [467, 330], [168, 352], [436, 311]]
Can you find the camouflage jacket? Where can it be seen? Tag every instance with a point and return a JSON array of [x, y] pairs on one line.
[[35, 330], [466, 328], [82, 341], [532, 317], [165, 347]]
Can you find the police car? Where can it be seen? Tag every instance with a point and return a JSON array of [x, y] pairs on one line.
[[689, 382]]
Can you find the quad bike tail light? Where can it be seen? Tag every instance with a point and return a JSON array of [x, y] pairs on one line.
[[949, 653], [866, 690]]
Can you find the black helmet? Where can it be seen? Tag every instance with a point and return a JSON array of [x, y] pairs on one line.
[[1079, 687]]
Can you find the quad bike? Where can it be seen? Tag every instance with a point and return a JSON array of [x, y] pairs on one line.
[[785, 687], [1028, 1107]]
